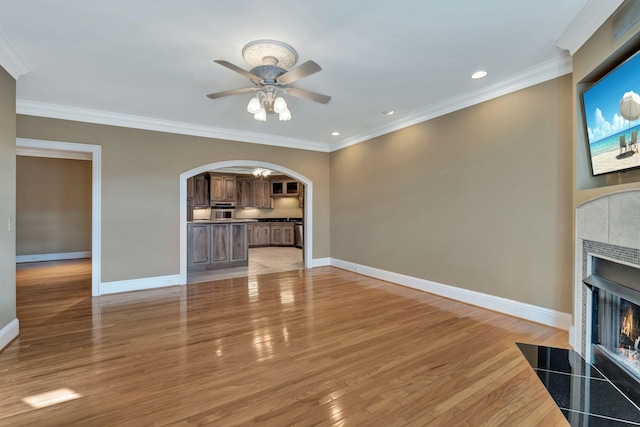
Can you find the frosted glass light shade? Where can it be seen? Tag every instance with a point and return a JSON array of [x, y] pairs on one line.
[[254, 105], [261, 115], [285, 115], [279, 105]]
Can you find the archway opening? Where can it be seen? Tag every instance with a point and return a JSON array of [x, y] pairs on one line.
[[307, 232]]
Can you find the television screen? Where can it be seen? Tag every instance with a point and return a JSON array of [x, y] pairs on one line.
[[612, 117]]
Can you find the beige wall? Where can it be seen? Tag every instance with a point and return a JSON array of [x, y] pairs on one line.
[[478, 199], [53, 205], [140, 188], [7, 198]]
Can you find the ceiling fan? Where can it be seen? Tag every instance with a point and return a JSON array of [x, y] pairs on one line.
[[271, 75]]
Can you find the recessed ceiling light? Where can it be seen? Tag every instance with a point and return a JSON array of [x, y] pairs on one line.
[[335, 133], [388, 112], [478, 74]]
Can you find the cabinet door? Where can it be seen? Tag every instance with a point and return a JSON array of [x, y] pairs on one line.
[[244, 194], [262, 235], [230, 188], [199, 245], [291, 188], [201, 191], [276, 234], [277, 188], [238, 242], [288, 237], [217, 189], [190, 188], [262, 194], [219, 243]]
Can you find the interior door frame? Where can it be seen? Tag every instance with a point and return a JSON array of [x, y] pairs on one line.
[[72, 150], [308, 205]]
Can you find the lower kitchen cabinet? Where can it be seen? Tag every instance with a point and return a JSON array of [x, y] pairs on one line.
[[261, 235], [282, 234], [198, 245], [213, 246]]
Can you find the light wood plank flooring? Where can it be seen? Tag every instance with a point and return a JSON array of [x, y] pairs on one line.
[[307, 347]]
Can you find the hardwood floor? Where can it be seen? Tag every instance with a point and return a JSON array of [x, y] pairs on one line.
[[307, 347]]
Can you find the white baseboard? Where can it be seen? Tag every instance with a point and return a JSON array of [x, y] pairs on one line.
[[519, 309], [320, 262], [53, 257], [139, 284], [9, 333]]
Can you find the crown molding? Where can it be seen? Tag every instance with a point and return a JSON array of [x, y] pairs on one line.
[[62, 112], [586, 23], [11, 60], [540, 73]]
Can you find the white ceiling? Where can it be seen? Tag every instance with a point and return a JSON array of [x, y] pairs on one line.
[[105, 61]]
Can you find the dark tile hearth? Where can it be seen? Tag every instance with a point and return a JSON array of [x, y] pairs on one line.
[[583, 394]]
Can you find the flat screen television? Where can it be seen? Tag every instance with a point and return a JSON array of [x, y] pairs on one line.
[[612, 118]]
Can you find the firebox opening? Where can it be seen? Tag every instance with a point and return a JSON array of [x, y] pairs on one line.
[[615, 323]]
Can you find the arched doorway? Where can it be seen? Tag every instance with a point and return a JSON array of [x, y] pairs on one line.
[[308, 205]]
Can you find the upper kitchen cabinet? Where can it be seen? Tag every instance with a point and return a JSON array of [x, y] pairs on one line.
[[223, 188], [283, 188], [200, 190], [244, 193], [262, 194]]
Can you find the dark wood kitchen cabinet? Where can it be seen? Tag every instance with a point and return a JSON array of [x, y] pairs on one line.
[[260, 235], [200, 191], [262, 194], [284, 188], [212, 246], [223, 188], [282, 234], [244, 193], [198, 246]]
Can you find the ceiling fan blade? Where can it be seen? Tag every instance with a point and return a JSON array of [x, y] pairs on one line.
[[231, 92], [239, 70], [307, 94], [297, 73]]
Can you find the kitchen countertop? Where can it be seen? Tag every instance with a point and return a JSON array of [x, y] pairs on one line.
[[279, 219], [220, 221]]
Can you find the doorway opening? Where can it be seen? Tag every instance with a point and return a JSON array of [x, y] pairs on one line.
[[285, 221], [87, 152]]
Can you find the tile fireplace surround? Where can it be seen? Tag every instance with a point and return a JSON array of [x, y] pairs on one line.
[[607, 227]]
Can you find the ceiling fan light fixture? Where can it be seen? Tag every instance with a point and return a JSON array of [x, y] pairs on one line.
[[285, 115], [260, 172], [271, 75], [280, 105], [261, 115], [254, 105]]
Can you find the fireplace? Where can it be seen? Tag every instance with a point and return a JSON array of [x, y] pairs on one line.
[[615, 322]]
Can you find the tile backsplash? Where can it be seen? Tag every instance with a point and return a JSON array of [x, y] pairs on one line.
[[283, 207]]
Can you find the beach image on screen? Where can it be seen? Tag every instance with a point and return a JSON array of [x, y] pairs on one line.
[[612, 116]]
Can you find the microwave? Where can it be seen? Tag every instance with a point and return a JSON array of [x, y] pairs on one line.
[[223, 211]]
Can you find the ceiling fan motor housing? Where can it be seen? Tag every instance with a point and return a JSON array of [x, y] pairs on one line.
[[268, 73]]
